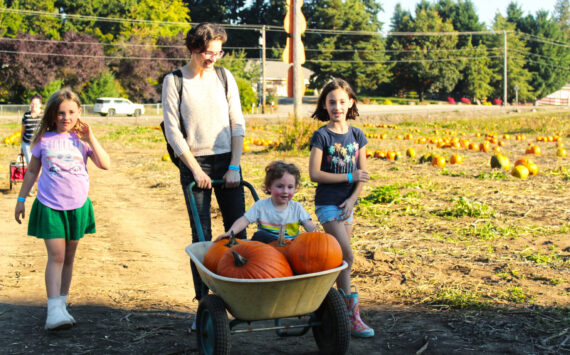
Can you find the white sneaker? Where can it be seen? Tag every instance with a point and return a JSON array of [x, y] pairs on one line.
[[56, 319], [69, 316], [63, 300], [194, 324]]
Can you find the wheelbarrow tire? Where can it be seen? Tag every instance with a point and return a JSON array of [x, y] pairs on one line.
[[333, 333], [212, 326]]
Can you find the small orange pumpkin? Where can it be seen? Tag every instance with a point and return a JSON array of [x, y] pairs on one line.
[[314, 252], [282, 244], [253, 260], [217, 249]]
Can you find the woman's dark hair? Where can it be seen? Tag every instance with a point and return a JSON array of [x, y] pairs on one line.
[[321, 113], [275, 170], [198, 37]]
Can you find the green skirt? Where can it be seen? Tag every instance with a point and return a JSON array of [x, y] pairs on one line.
[[47, 223]]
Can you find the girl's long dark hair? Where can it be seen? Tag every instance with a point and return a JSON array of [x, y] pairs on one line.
[[321, 113]]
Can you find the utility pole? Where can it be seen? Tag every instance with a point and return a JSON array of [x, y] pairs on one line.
[[297, 96], [263, 91], [505, 71]]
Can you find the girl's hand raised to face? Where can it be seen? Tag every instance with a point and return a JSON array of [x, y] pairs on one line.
[[83, 130]]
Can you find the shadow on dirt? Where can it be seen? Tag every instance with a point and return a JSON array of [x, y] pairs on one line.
[[104, 330]]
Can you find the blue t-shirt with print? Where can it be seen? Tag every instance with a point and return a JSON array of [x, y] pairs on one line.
[[340, 156]]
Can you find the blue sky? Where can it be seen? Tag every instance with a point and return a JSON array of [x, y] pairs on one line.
[[486, 9]]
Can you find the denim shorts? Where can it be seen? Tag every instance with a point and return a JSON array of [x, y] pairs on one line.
[[329, 213]]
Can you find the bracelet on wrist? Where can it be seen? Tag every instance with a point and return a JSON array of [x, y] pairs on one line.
[[349, 175], [21, 199], [234, 167]]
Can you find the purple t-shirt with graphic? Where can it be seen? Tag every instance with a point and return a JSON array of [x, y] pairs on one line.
[[64, 182]]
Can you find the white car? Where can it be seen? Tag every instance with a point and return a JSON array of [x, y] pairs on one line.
[[111, 106]]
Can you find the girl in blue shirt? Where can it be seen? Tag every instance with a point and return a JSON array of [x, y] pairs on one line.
[[338, 165]]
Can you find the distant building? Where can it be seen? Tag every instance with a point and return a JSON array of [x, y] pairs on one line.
[[276, 77], [558, 98]]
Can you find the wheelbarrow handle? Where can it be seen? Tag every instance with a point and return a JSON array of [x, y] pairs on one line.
[[194, 209]]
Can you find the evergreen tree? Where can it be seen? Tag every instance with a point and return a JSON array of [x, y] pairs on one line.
[[562, 16], [463, 17], [549, 58], [105, 85], [476, 74], [424, 63], [357, 58], [517, 53]]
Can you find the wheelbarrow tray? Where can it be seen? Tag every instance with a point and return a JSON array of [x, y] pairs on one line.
[[258, 299]]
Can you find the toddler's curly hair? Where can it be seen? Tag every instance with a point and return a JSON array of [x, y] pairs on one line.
[[275, 170]]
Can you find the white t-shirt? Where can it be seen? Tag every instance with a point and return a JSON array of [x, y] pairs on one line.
[[270, 219]]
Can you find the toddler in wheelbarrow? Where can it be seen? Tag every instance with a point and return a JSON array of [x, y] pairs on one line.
[[308, 294]]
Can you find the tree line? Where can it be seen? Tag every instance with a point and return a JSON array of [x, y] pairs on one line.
[[125, 47]]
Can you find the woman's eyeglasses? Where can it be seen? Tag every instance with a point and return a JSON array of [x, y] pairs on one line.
[[209, 54]]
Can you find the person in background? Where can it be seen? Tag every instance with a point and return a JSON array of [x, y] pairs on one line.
[[338, 164], [30, 122]]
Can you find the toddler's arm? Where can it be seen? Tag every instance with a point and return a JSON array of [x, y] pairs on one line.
[[239, 225], [309, 225]]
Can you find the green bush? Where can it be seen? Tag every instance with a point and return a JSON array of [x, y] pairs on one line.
[[246, 94]]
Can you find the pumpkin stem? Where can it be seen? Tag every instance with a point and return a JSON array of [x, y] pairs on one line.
[[238, 259], [281, 239], [232, 240]]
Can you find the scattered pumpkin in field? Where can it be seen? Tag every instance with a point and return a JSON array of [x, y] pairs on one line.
[[166, 157], [456, 159], [485, 146], [438, 161], [314, 252], [533, 149], [499, 161], [411, 153], [426, 158], [254, 260], [217, 249], [561, 152], [520, 171], [391, 155], [497, 149], [523, 161], [532, 169]]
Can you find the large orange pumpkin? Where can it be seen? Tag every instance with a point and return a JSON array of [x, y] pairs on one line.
[[314, 252], [217, 249], [253, 260]]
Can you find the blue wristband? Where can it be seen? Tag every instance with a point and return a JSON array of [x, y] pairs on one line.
[[233, 167], [349, 175], [21, 199]]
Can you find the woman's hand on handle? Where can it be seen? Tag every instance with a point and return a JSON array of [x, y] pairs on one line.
[[203, 181], [232, 178]]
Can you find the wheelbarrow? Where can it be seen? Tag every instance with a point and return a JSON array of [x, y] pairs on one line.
[[309, 299]]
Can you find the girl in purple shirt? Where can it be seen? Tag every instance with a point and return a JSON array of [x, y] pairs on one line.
[[62, 212]]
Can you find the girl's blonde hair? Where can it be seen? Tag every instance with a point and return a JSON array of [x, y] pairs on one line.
[[275, 170], [49, 119]]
